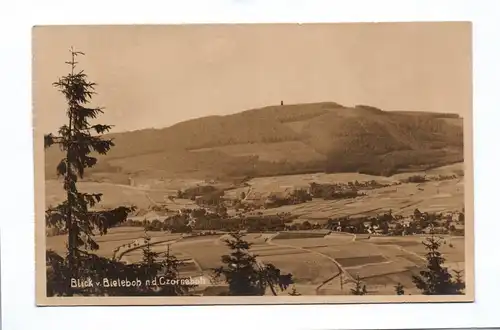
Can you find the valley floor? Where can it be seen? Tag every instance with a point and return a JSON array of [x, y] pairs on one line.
[[321, 265]]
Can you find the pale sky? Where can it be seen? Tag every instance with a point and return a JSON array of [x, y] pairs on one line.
[[156, 76]]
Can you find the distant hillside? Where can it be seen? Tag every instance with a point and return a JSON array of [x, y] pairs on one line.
[[288, 139]]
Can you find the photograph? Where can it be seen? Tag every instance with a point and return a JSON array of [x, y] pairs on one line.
[[219, 164]]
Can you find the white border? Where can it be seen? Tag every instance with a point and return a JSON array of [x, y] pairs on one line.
[[17, 271]]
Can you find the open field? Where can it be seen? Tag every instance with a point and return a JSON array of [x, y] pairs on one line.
[[452, 248], [119, 194], [315, 262], [319, 261], [433, 196], [380, 263], [301, 234], [307, 268], [403, 198], [107, 243]]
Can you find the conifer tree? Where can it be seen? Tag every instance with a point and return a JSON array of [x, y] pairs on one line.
[[359, 288], [436, 279], [150, 262], [459, 283], [245, 275], [79, 140], [170, 272], [400, 290], [152, 267]]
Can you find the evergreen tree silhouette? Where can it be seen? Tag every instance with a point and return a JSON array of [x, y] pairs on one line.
[[245, 275], [359, 288], [79, 140], [400, 290], [436, 279]]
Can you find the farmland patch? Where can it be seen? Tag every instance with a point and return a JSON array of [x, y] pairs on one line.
[[357, 261], [295, 235], [394, 266], [412, 258], [280, 252], [307, 268], [392, 279]]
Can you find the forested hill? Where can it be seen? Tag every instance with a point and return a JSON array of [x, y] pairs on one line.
[[285, 139]]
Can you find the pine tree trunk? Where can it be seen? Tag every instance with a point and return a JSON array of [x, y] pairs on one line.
[[70, 221]]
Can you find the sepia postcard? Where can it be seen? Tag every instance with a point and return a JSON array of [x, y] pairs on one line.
[[211, 164]]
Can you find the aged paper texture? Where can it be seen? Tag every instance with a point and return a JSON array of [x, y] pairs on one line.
[[253, 163]]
